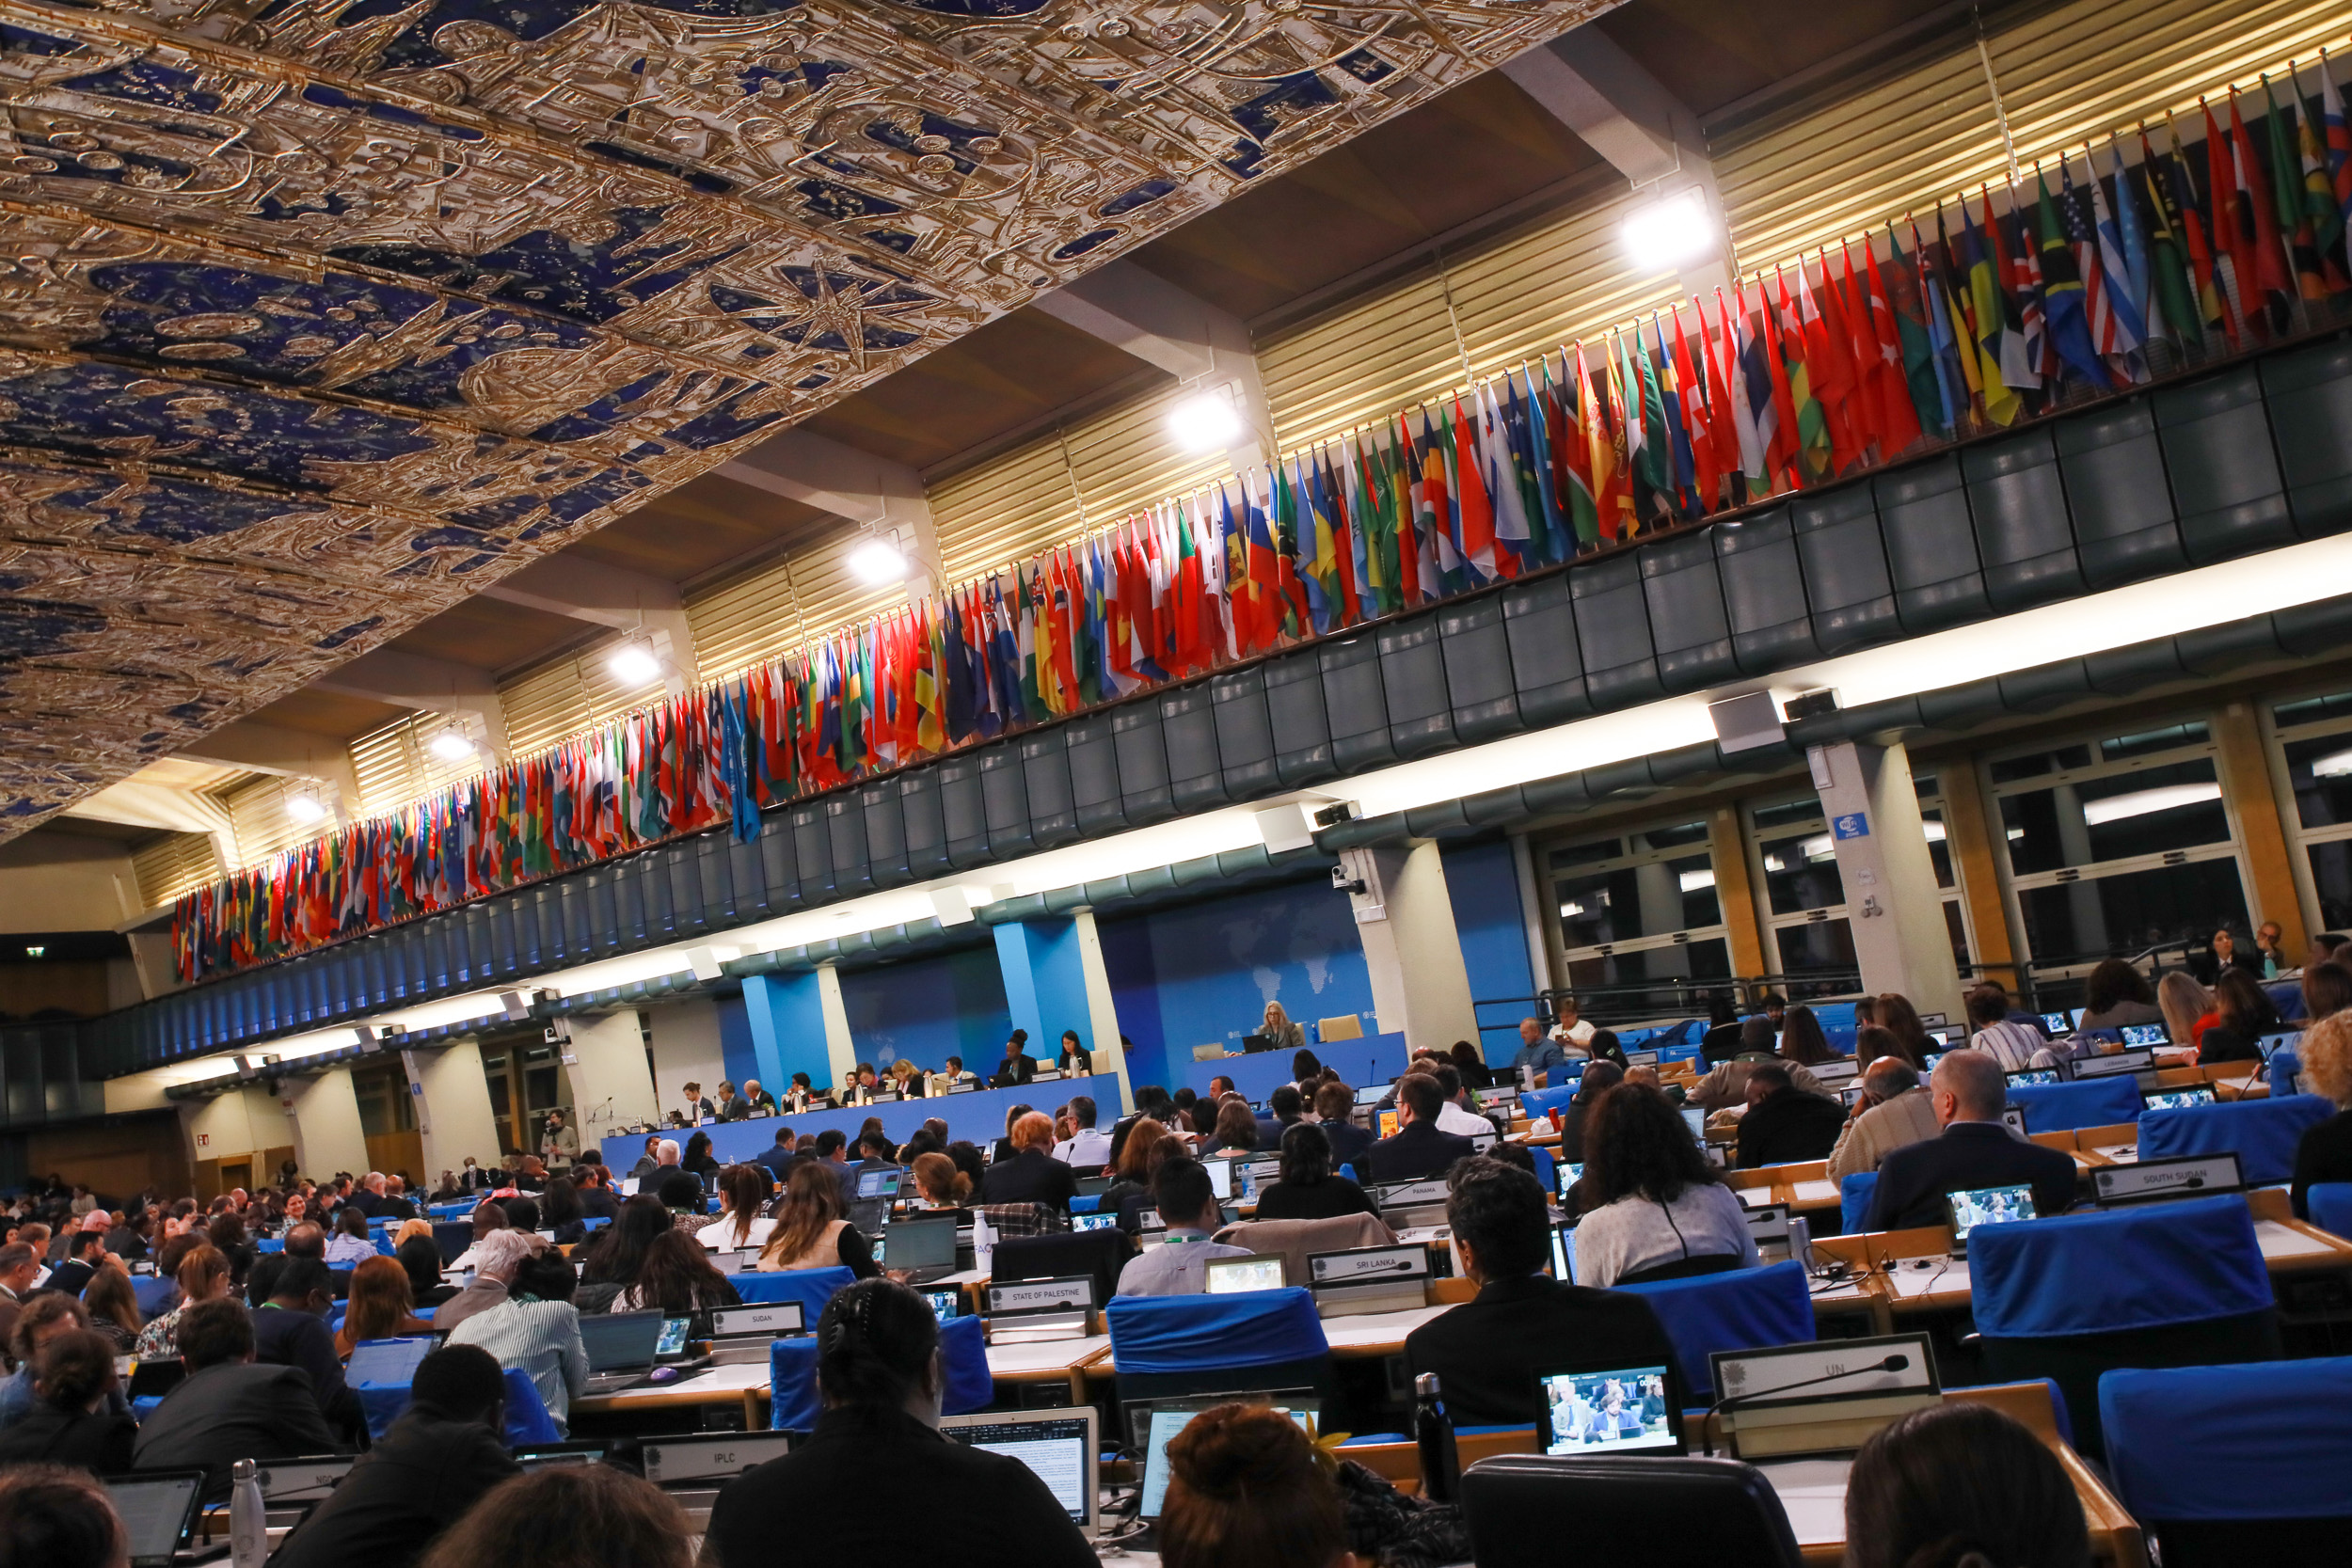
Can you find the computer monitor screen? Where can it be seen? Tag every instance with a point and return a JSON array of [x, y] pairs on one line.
[[1371, 1094], [919, 1245], [1695, 1120], [1220, 1178], [2058, 1023], [878, 1184], [1232, 1276], [947, 1305], [1987, 1206], [387, 1363], [618, 1340], [1608, 1409], [1056, 1446], [2035, 1075], [673, 1340], [1564, 1253], [2145, 1034], [1166, 1422], [156, 1512], [1567, 1173], [1093, 1222], [2175, 1099]]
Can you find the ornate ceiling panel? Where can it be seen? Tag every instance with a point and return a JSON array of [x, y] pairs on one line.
[[315, 315]]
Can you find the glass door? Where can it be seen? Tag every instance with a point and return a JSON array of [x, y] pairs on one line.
[[1803, 897], [2312, 751], [1635, 921]]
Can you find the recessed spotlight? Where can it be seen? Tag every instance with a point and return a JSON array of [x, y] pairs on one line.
[[877, 560]]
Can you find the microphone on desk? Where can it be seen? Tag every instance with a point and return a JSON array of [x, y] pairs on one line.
[[1723, 1403]]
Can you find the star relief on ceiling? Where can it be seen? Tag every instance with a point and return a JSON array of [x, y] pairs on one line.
[[319, 313]]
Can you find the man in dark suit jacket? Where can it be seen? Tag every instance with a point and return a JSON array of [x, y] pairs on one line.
[[1032, 1175], [1334, 1104], [1782, 1123], [1488, 1350], [1288, 1105], [228, 1408], [289, 1330], [777, 1158], [1419, 1149], [83, 1253], [1018, 1067], [444, 1452], [1976, 1151]]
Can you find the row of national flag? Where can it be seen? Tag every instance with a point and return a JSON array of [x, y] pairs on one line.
[[2095, 272]]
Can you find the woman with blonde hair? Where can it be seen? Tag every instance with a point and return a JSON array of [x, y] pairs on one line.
[[811, 1231], [2325, 1152], [2187, 1008], [1278, 1029]]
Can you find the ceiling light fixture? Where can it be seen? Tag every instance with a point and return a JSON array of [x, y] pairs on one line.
[[877, 560], [303, 806], [634, 663], [2143, 802], [1206, 421], [453, 744], [1662, 235], [35, 952]]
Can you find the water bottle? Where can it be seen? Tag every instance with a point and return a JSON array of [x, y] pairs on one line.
[[1433, 1432], [249, 1526]]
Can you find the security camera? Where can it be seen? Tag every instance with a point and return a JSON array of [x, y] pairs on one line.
[[1345, 883]]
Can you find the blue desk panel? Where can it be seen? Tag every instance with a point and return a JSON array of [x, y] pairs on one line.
[[979, 1116], [1378, 1057]]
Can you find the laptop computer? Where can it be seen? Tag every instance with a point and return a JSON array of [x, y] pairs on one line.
[[548, 1456], [1985, 1206], [621, 1349], [947, 1304], [155, 1377], [1695, 1120], [925, 1249], [2146, 1034], [1100, 1220], [1230, 1276], [880, 1183], [1567, 1173], [1564, 1253], [389, 1363], [1609, 1406], [1252, 1044], [1156, 1422], [2176, 1100], [159, 1510], [1058, 1446], [290, 1486], [2034, 1076]]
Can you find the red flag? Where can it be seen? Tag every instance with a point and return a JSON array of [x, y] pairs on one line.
[[2268, 284], [1901, 427], [1698, 418], [1783, 457]]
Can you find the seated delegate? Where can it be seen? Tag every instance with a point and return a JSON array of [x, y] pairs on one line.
[[1031, 1174], [1654, 1209], [2324, 1153], [812, 1231], [1894, 1110], [879, 1378], [1488, 1350], [1784, 1123], [536, 1329], [1308, 1188], [1179, 1266], [1420, 1148], [228, 1408], [1975, 1149]]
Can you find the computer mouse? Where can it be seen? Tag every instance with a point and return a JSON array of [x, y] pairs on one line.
[[663, 1374]]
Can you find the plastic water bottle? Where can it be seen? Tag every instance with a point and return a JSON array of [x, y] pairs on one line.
[[1433, 1434], [248, 1526]]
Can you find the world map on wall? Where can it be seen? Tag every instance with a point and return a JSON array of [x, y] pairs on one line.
[[318, 315]]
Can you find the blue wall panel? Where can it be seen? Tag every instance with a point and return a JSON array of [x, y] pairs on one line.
[[1483, 889], [1204, 971], [735, 1041], [930, 1009]]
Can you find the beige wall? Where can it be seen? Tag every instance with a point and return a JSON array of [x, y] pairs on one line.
[[56, 880]]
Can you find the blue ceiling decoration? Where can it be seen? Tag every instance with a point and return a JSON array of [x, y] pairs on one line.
[[315, 315]]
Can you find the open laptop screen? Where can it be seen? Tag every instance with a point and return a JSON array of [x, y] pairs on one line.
[[1986, 1206], [1609, 1410], [156, 1512], [1165, 1423], [878, 1184], [919, 1245], [1232, 1276], [1058, 1446], [387, 1362], [618, 1341]]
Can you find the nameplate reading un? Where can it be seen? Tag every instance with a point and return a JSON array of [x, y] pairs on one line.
[[1042, 1295], [1349, 1268]]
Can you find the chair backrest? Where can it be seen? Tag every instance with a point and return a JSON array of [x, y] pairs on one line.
[[2159, 1285], [1295, 1240], [2064, 1107], [963, 1349], [2235, 1464], [1720, 1510], [1097, 1254], [792, 1384], [156, 1293], [1547, 1168], [811, 1288], [1347, 1026], [1165, 1346], [527, 1417], [1684, 1267], [1853, 1200], [2331, 1204], [2263, 1134], [1739, 1311], [1540, 1103]]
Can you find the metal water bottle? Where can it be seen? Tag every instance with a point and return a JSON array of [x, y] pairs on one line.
[[1433, 1432], [1801, 1241], [248, 1526]]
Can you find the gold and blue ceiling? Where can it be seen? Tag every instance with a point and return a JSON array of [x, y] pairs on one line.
[[316, 315]]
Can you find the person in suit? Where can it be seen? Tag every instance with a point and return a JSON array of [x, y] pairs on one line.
[[777, 1157], [1288, 1107], [756, 1101], [1032, 1175], [228, 1408], [1782, 1123], [650, 1161], [694, 1108], [1334, 1104], [1419, 1149], [473, 1179], [84, 1251], [1486, 1352], [729, 1106], [439, 1457], [950, 1076], [289, 1330], [1973, 1151], [1017, 1068]]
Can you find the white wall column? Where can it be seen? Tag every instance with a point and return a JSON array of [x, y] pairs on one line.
[[454, 1113], [686, 1050], [611, 1081], [1420, 986], [1101, 1010], [840, 1049], [326, 1133], [1893, 906]]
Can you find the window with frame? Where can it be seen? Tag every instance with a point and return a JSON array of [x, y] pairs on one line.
[[2116, 844], [1634, 917], [1803, 897], [2311, 738]]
